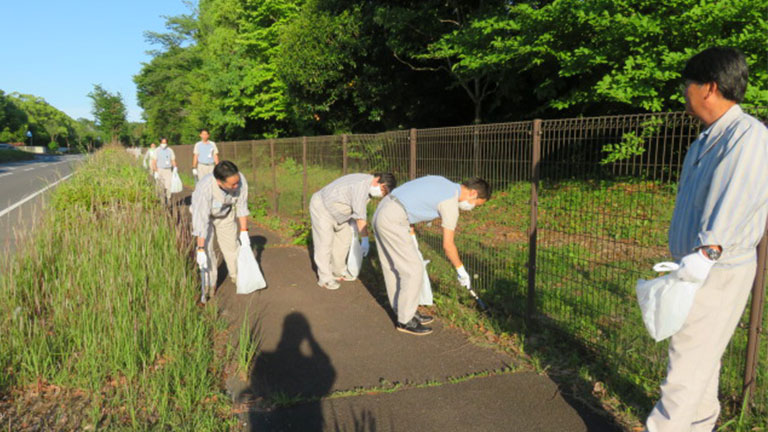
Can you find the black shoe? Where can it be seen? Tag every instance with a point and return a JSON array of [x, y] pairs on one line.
[[414, 327], [423, 319]]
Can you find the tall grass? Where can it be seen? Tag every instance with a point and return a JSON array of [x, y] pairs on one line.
[[101, 299]]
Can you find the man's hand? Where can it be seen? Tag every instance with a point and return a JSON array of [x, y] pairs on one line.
[[365, 246], [695, 267], [245, 239], [175, 170], [202, 259], [194, 172], [463, 276], [155, 175]]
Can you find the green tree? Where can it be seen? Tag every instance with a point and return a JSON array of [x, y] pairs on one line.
[[109, 111], [13, 120]]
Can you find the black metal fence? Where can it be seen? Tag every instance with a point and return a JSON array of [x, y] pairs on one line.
[[580, 211]]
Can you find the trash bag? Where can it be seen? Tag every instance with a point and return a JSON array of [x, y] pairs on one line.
[[425, 293], [665, 301], [249, 277], [355, 256], [176, 185]]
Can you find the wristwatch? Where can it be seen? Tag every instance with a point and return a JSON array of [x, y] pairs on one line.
[[712, 252]]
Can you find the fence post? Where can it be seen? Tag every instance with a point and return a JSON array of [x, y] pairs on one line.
[[755, 322], [533, 230], [304, 163], [476, 151], [412, 159], [253, 162], [234, 152], [344, 161], [274, 175]]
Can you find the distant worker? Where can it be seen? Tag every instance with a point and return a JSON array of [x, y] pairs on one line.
[[421, 200], [331, 209], [148, 156], [719, 217], [205, 156], [217, 201], [164, 166]]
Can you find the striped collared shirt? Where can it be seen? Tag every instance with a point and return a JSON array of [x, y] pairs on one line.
[[209, 201], [722, 198], [347, 197]]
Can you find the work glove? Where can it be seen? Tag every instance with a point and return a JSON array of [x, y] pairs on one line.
[[365, 246], [175, 170], [463, 276], [202, 260], [695, 267], [245, 239], [155, 175], [194, 172]]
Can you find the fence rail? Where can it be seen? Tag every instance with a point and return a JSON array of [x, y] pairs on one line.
[[569, 231]]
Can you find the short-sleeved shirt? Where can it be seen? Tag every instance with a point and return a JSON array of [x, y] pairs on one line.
[[205, 152], [164, 157], [209, 201], [429, 197], [347, 197], [722, 198]]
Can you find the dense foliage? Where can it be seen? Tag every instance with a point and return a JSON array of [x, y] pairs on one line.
[[261, 68]]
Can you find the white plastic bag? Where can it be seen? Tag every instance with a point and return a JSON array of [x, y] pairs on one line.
[[425, 294], [355, 256], [176, 185], [665, 301], [249, 277]]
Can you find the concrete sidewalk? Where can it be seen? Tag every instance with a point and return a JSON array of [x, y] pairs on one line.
[[315, 343]]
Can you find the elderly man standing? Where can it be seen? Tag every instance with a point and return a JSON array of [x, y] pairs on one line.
[[420, 200], [331, 209], [217, 201], [164, 166], [204, 156], [720, 216]]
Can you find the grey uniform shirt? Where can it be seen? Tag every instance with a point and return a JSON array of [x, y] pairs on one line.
[[209, 201], [347, 197], [722, 197]]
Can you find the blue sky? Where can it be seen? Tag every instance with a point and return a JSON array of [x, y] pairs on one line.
[[58, 49]]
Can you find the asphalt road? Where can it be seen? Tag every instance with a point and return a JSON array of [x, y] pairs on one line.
[[24, 188]]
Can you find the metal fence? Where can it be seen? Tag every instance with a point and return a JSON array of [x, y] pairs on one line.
[[568, 231]]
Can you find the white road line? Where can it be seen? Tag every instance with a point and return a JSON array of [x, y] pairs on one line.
[[11, 208], [5, 174]]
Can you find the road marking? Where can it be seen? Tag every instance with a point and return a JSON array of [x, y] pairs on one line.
[[11, 208], [2, 175]]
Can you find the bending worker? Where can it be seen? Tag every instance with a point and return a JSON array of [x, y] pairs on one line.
[[331, 209], [204, 157], [217, 201], [163, 166], [719, 217], [420, 200]]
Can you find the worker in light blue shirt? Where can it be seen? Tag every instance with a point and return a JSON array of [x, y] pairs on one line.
[[720, 216], [421, 200], [205, 156]]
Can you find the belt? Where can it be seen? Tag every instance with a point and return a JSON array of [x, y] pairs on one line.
[[200, 163]]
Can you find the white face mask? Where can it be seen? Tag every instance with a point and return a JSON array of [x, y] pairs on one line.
[[163, 145], [466, 206], [375, 191]]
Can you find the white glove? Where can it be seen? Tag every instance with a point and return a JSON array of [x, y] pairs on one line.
[[155, 175], [202, 260], [245, 239], [463, 276], [365, 246], [695, 267], [194, 172], [175, 170]]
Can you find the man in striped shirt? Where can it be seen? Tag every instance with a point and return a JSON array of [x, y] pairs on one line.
[[331, 209], [720, 216], [217, 201]]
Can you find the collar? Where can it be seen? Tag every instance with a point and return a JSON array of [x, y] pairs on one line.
[[717, 129]]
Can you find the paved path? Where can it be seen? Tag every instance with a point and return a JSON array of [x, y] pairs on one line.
[[22, 192], [323, 355]]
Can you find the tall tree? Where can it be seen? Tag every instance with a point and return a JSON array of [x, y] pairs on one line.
[[109, 111]]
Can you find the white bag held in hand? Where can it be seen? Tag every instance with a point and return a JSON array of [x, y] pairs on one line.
[[665, 301], [425, 294], [176, 185], [249, 277], [355, 256]]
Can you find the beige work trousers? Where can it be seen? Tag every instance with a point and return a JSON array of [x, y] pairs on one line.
[[330, 240], [689, 392], [225, 230], [203, 170], [400, 260], [165, 175]]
